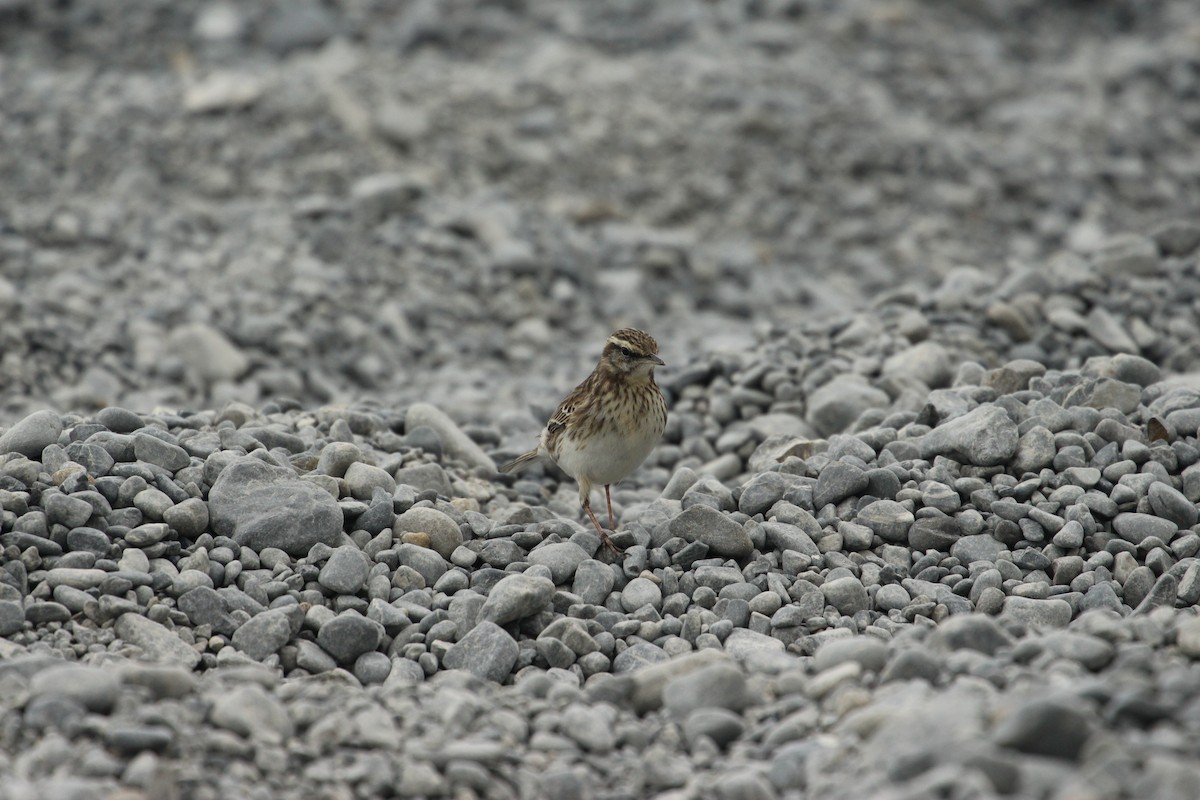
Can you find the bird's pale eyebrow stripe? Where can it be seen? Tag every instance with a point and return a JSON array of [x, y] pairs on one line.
[[620, 342]]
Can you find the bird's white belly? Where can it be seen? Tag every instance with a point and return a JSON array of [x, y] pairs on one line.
[[604, 459]]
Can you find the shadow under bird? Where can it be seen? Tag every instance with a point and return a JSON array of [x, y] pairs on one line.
[[608, 424]]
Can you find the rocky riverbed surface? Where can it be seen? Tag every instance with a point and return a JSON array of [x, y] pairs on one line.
[[280, 284]]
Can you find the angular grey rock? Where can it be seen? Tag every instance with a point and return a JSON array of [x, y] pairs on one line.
[[156, 641], [154, 450], [363, 479], [1176, 238], [719, 685], [204, 606], [444, 534], [591, 726], [346, 570], [348, 635], [1035, 450], [427, 562], [189, 518], [835, 406], [722, 535], [979, 547], [720, 725], [12, 617], [1039, 613], [1127, 254], [206, 353], [119, 420], [928, 362], [934, 533], [425, 477], [594, 581], [1013, 376], [261, 506], [1163, 593], [561, 558], [638, 656], [888, 519], [783, 536], [1049, 727], [983, 437], [837, 481], [263, 634], [847, 595], [487, 651], [457, 444], [970, 632], [93, 688], [66, 510], [250, 711], [516, 597], [750, 646], [912, 664], [866, 651], [762, 492], [1090, 651], [31, 435]]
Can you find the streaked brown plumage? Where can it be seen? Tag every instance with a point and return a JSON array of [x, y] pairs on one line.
[[609, 423]]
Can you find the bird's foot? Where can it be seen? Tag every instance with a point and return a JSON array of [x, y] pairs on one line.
[[608, 544]]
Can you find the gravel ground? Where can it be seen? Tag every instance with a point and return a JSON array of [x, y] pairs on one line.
[[281, 283]]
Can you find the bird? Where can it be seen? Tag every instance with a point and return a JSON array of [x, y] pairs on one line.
[[604, 429]]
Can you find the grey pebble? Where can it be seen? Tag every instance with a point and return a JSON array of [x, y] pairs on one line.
[[715, 530], [346, 570], [251, 712], [487, 651], [561, 558], [641, 592], [1045, 727], [372, 668], [720, 685], [444, 533], [66, 510], [720, 725], [264, 633], [349, 635], [31, 435], [983, 437], [94, 689], [970, 632], [516, 597], [594, 580], [847, 595], [156, 641], [838, 481], [1136, 528], [457, 444], [154, 450], [1039, 613], [262, 506], [888, 519]]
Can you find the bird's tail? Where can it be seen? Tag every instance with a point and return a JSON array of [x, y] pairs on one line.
[[522, 461]]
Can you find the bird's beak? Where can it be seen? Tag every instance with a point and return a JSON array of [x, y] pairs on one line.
[[656, 360]]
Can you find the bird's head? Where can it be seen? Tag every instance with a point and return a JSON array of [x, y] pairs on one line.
[[632, 353]]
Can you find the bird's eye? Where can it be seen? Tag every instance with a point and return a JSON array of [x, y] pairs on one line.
[[625, 351]]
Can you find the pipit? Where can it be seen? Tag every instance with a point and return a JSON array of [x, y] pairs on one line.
[[608, 424]]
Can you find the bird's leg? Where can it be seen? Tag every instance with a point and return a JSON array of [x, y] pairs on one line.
[[608, 496], [604, 538]]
